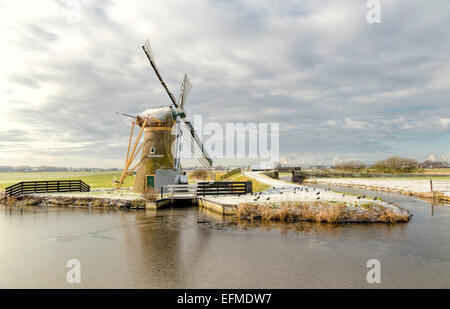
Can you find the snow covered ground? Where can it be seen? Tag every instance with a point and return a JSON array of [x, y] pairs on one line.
[[390, 184], [123, 194], [282, 191]]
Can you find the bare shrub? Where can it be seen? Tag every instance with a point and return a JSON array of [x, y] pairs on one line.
[[396, 165], [200, 174], [350, 166], [150, 195]]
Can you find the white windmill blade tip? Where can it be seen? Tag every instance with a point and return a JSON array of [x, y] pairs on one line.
[[187, 81], [148, 49], [186, 87]]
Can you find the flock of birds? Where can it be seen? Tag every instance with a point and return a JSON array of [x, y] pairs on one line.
[[258, 195]]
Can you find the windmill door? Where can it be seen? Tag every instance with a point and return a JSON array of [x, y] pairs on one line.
[[150, 181]]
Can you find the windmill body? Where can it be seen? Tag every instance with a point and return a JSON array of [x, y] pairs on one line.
[[156, 153]]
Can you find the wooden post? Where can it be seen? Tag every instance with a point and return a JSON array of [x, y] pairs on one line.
[[129, 141], [131, 171], [136, 153], [431, 185], [249, 187], [128, 163]]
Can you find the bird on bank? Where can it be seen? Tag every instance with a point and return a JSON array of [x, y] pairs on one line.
[[343, 194], [268, 198], [375, 198], [359, 197], [318, 193]]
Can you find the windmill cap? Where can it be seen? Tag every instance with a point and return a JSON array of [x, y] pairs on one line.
[[158, 116]]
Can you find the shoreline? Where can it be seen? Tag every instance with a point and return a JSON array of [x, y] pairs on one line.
[[73, 202], [282, 211], [423, 195]]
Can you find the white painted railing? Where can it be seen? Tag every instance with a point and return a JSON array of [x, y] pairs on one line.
[[179, 191]]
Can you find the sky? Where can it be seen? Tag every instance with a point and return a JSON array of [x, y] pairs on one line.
[[339, 87]]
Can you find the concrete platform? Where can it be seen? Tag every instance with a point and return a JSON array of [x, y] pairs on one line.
[[203, 202], [224, 209]]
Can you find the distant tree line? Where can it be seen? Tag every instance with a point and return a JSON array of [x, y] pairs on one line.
[[433, 164], [12, 169], [390, 165], [350, 166]]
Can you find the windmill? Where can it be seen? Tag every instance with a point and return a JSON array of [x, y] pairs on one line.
[[159, 165]]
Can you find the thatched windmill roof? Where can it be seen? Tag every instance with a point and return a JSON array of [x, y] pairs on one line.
[[158, 116]]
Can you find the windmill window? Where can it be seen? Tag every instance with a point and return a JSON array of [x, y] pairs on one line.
[[152, 150]]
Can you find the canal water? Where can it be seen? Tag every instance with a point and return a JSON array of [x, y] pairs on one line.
[[173, 249]]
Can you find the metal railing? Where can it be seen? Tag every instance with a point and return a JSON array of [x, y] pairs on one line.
[[27, 187], [179, 191]]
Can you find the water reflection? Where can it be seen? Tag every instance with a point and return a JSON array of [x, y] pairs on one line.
[[171, 248]]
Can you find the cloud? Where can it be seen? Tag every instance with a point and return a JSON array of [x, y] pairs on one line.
[[445, 122], [354, 124], [338, 86]]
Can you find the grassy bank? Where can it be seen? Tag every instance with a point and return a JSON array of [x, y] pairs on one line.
[[97, 180], [322, 212]]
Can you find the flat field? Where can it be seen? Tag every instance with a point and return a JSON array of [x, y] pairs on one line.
[[97, 180]]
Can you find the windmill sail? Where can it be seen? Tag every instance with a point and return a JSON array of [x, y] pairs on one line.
[[186, 87], [203, 153], [148, 51]]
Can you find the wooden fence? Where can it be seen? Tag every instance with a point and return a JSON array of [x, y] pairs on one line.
[[29, 187], [224, 188], [207, 188]]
